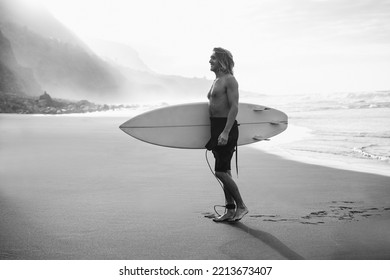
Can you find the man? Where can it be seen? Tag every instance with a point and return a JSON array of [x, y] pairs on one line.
[[223, 109]]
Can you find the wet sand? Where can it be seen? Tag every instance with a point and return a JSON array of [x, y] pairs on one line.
[[79, 188]]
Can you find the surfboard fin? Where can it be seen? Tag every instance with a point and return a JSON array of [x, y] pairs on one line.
[[260, 138], [278, 122], [260, 108]]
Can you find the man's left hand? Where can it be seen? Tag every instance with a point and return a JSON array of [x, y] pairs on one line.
[[223, 139]]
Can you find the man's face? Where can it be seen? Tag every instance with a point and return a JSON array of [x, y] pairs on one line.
[[214, 65]]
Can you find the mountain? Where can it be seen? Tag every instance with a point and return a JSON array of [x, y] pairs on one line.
[[60, 62], [118, 53], [147, 87], [143, 84], [40, 54], [35, 17], [13, 77]]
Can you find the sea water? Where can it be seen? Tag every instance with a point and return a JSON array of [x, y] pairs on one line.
[[343, 130]]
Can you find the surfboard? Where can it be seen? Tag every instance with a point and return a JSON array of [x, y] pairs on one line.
[[187, 126]]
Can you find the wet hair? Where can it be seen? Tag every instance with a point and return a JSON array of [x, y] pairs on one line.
[[225, 60]]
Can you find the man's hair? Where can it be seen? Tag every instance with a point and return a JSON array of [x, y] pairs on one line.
[[225, 59]]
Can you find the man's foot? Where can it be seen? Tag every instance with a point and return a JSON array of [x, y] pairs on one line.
[[240, 213], [227, 217]]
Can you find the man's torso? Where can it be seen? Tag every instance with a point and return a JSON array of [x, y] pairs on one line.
[[218, 99]]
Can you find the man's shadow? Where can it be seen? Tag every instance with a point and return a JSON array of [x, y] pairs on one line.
[[269, 240]]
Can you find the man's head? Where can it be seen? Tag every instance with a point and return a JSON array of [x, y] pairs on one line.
[[222, 61]]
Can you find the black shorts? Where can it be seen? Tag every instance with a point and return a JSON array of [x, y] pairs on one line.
[[222, 154]]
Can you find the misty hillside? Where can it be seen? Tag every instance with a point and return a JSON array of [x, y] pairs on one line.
[[39, 54], [143, 84], [61, 65], [118, 53], [164, 88], [59, 61], [13, 77]]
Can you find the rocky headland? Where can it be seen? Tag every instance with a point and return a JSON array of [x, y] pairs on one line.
[[45, 104]]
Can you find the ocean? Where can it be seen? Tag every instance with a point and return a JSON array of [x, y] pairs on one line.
[[343, 130]]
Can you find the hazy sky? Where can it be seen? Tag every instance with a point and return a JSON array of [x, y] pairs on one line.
[[279, 46]]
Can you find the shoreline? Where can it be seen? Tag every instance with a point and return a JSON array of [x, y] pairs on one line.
[[298, 134], [343, 163]]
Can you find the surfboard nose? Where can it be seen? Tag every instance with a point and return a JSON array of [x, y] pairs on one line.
[[122, 126]]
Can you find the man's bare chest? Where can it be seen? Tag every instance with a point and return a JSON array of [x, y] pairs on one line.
[[217, 90]]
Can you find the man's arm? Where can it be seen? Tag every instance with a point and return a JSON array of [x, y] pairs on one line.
[[232, 96]]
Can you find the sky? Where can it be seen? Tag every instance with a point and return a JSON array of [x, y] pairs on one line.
[[279, 46]]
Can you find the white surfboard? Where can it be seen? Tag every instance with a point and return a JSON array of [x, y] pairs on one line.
[[187, 126]]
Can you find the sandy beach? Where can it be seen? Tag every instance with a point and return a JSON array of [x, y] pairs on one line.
[[79, 188]]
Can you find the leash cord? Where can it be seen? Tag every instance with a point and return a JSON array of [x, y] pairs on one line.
[[219, 182], [211, 169]]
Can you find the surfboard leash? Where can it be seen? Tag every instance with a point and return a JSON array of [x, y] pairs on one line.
[[211, 170], [219, 182]]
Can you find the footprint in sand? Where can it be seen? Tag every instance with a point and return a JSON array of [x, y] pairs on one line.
[[262, 216], [338, 211], [209, 215], [346, 202], [273, 218], [352, 212], [312, 223]]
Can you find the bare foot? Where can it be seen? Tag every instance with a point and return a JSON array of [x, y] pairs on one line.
[[228, 216], [240, 213]]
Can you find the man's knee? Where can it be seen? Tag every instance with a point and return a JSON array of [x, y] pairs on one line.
[[221, 174]]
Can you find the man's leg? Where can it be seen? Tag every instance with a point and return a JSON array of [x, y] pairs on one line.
[[232, 193], [230, 208], [228, 197]]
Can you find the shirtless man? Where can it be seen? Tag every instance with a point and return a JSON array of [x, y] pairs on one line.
[[223, 109]]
